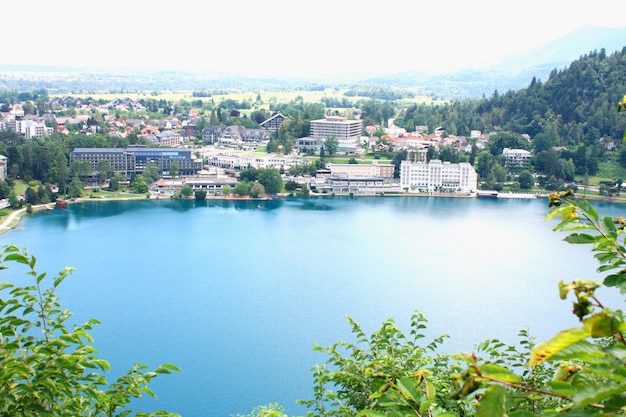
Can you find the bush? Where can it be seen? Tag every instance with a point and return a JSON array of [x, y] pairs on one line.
[[49, 368]]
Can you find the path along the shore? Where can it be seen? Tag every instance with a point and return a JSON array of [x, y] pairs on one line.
[[7, 223]]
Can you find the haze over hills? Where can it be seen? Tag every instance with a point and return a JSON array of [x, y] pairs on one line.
[[511, 74]]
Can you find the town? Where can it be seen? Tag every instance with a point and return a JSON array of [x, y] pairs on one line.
[[208, 159]]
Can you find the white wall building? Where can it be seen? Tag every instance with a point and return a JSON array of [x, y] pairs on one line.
[[234, 160], [339, 126], [367, 170], [438, 176], [516, 158]]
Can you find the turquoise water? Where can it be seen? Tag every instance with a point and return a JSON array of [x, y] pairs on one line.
[[237, 293]]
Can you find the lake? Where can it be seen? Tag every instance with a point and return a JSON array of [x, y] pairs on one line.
[[236, 293]]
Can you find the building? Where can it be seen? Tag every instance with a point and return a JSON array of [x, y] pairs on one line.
[[516, 159], [356, 185], [188, 164], [339, 126], [3, 167], [235, 135], [367, 170], [120, 160], [134, 159], [273, 123], [346, 131], [438, 176], [236, 160], [212, 185]]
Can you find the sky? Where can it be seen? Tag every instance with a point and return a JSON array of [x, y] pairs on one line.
[[317, 39]]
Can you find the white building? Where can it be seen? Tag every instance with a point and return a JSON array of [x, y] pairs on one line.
[[438, 176], [339, 126], [348, 133], [516, 158], [366, 170], [236, 160]]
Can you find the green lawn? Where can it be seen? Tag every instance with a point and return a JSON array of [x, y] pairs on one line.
[[110, 195]]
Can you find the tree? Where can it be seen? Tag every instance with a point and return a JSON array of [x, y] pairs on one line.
[[498, 172], [526, 180], [174, 169], [200, 195], [256, 190], [226, 189], [249, 174], [484, 163], [14, 202], [31, 196], [242, 188], [186, 191], [48, 366], [151, 172], [105, 170], [139, 184], [76, 188], [81, 169], [331, 144], [370, 374], [270, 179]]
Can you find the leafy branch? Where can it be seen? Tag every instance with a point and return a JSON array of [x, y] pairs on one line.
[[50, 368]]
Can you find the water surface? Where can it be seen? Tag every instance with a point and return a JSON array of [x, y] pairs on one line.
[[237, 293]]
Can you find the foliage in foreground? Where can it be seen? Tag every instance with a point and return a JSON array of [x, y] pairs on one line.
[[47, 366], [579, 372]]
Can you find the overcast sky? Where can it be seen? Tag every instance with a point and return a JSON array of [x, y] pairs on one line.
[[319, 38]]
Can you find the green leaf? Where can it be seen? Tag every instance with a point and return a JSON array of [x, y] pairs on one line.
[[370, 413], [583, 350], [5, 285], [596, 394], [492, 402], [498, 373], [589, 209], [599, 325], [409, 389], [607, 226], [17, 257], [580, 238], [560, 341], [562, 387], [167, 368], [616, 280], [521, 413]]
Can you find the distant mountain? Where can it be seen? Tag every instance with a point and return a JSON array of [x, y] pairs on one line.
[[513, 74], [563, 51]]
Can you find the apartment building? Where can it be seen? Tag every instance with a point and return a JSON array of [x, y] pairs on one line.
[[516, 159]]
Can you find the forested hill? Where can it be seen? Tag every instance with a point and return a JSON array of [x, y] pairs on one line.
[[576, 105]]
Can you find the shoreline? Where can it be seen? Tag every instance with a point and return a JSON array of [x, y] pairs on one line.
[[14, 218]]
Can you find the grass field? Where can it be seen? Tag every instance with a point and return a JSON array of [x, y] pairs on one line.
[[266, 96]]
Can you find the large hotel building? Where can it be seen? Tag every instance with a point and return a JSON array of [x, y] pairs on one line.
[[134, 159]]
